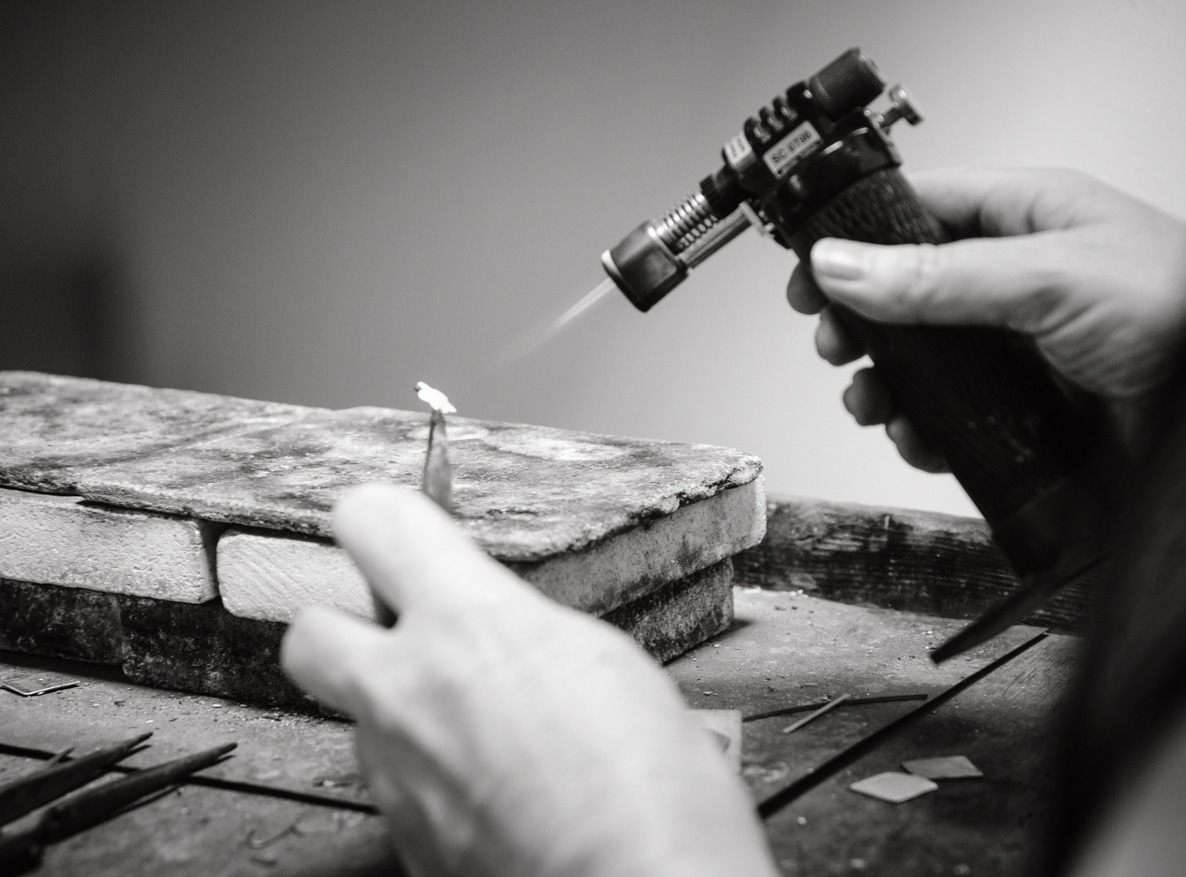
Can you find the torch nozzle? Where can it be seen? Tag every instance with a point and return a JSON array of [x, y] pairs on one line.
[[645, 266]]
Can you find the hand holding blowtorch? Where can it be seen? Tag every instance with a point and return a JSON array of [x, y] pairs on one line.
[[818, 163]]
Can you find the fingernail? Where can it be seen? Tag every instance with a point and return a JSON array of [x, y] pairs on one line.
[[837, 259]]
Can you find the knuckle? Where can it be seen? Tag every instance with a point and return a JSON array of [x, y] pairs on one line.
[[801, 294], [387, 696], [825, 340], [1072, 178], [865, 398], [848, 400]]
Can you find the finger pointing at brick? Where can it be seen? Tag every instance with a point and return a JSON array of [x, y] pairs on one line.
[[492, 721], [418, 563], [415, 557]]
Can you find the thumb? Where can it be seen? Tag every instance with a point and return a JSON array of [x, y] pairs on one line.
[[981, 281]]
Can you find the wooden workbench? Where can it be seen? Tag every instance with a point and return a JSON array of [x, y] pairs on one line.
[[289, 801]]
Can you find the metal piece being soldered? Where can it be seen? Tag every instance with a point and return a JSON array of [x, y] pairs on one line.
[[826, 708], [435, 399], [437, 481]]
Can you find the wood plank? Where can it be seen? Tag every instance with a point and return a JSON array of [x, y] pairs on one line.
[[897, 558], [680, 615], [784, 648], [787, 648], [983, 827], [60, 622]]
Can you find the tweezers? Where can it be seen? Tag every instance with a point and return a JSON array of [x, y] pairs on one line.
[[22, 850]]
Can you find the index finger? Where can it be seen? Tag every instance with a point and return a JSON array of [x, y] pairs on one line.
[[414, 555]]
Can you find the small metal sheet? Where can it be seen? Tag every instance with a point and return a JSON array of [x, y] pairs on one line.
[[894, 787], [948, 767]]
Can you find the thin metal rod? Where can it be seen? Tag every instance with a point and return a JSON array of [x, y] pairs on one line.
[[26, 793], [852, 701], [247, 788], [826, 708], [92, 806], [842, 759]]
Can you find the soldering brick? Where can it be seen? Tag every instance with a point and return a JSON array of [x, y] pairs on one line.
[[57, 431], [64, 540], [597, 522], [272, 577], [525, 494]]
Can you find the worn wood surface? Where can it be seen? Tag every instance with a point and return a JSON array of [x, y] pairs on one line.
[[787, 648], [897, 558], [784, 648]]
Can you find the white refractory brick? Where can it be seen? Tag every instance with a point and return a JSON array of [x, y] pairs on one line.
[[272, 577], [63, 540]]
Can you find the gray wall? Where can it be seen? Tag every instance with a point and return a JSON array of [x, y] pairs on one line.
[[325, 202]]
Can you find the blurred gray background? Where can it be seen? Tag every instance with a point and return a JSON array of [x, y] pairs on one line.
[[322, 203]]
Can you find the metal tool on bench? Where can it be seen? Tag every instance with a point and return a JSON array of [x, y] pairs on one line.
[[22, 851], [818, 162]]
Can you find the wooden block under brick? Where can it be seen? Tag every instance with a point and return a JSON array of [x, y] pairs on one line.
[[680, 615], [63, 540], [207, 650], [270, 576], [73, 623], [203, 649], [898, 558]]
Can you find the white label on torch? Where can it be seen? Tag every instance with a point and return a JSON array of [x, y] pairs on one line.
[[801, 142], [739, 154]]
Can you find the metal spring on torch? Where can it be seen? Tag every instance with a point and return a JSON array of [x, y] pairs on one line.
[[685, 223]]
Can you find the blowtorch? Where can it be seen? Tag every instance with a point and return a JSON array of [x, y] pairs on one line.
[[818, 162]]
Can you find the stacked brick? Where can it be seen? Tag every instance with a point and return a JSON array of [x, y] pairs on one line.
[[175, 533]]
